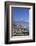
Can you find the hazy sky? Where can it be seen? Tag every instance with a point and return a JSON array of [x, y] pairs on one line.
[[20, 14]]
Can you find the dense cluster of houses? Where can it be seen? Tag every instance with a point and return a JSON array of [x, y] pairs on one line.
[[18, 28]]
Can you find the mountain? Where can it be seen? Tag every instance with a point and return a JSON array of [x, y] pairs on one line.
[[21, 22]]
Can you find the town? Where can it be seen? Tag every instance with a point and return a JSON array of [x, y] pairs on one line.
[[20, 30]]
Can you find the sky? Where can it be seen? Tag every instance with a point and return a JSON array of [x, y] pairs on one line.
[[20, 14]]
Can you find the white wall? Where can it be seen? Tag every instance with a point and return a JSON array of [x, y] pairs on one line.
[[35, 22], [2, 25]]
